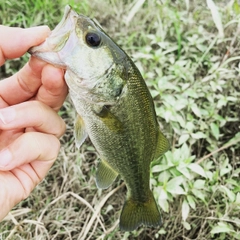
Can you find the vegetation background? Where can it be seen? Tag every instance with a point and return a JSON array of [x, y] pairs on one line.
[[188, 53]]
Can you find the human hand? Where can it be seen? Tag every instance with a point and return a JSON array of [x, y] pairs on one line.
[[30, 127]]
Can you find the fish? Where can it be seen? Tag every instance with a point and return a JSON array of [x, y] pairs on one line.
[[114, 109]]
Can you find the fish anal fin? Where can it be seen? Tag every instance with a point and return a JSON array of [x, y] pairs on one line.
[[162, 145], [80, 132], [135, 213], [105, 175]]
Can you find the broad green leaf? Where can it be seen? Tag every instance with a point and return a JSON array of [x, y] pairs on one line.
[[164, 176], [163, 194], [198, 135], [238, 198], [197, 169], [236, 7], [162, 231], [209, 175], [225, 170], [180, 120], [154, 93], [232, 99], [215, 130], [175, 181], [234, 140], [199, 184], [190, 126], [221, 228], [181, 103], [163, 203], [191, 201], [199, 194], [160, 168], [170, 99], [196, 110], [221, 102], [184, 170], [183, 138], [216, 17], [176, 190], [185, 151], [229, 193], [173, 186], [175, 172], [186, 225], [185, 210]]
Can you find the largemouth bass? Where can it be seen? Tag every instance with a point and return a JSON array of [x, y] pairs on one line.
[[114, 107]]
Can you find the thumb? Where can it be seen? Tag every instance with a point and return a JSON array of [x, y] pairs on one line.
[[14, 42]]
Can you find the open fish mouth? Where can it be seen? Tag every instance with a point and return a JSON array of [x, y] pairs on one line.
[[60, 42]]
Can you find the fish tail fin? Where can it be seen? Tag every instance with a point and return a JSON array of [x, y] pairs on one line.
[[135, 213]]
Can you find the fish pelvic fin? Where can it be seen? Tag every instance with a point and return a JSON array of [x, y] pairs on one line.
[[105, 175], [162, 145], [135, 213], [80, 132]]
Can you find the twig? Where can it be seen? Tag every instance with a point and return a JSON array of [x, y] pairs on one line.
[[17, 225], [108, 231], [217, 150], [94, 228], [134, 10], [227, 54], [97, 210], [224, 219], [9, 237], [16, 213], [77, 197]]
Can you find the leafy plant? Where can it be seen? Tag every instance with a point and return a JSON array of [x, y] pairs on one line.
[[188, 53]]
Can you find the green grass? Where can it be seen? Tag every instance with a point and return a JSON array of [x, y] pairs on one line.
[[193, 76]]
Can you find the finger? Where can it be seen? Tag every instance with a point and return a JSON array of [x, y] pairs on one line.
[[32, 114], [38, 149], [14, 42], [15, 186], [54, 89], [24, 84], [3, 103], [10, 192]]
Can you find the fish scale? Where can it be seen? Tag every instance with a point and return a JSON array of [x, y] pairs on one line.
[[114, 108]]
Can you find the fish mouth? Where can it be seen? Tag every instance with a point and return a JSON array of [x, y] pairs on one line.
[[60, 41]]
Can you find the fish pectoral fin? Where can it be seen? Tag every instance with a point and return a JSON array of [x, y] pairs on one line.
[[109, 119], [105, 175], [136, 213], [80, 132], [162, 145]]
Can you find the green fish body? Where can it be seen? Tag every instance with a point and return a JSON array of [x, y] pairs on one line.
[[115, 109]]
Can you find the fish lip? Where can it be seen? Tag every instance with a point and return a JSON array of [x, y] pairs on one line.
[[69, 14], [49, 50], [67, 11]]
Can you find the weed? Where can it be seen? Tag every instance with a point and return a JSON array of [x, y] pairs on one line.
[[188, 53]]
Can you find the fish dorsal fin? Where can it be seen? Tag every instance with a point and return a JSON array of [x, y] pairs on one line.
[[80, 132], [162, 145], [105, 175]]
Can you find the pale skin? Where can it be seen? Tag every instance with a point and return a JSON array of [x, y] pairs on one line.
[[30, 127]]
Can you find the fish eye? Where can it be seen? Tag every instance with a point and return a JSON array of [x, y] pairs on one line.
[[93, 39]]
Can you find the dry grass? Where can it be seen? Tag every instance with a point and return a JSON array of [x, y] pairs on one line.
[[67, 204]]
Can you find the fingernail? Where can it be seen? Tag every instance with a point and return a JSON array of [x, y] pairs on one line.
[[5, 157], [7, 115]]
